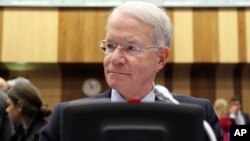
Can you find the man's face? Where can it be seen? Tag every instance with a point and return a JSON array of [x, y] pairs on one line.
[[236, 104], [132, 75]]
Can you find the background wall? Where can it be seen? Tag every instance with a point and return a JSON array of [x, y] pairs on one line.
[[57, 49]]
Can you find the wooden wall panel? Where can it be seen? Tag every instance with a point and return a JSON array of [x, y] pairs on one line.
[[168, 73], [183, 35], [95, 32], [224, 81], [205, 25], [170, 13], [237, 80], [160, 78], [181, 79], [203, 81], [49, 83], [73, 34], [241, 21], [228, 36], [1, 32], [30, 35], [246, 88], [165, 77], [4, 72], [247, 16], [80, 33]]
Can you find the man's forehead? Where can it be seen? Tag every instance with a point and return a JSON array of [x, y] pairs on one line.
[[234, 102]]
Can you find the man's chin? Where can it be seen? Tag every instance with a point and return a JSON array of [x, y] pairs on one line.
[[115, 84]]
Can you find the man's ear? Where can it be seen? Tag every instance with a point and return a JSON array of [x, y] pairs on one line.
[[163, 54]]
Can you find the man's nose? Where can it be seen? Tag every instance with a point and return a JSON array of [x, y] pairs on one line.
[[118, 56]]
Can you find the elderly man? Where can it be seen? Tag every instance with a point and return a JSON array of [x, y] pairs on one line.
[[136, 47]]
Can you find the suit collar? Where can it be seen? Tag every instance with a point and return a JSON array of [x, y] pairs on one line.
[[107, 94]]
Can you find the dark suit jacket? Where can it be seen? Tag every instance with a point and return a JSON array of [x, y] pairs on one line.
[[5, 124], [51, 131], [31, 134], [245, 116]]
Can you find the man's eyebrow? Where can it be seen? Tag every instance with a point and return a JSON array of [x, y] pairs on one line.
[[133, 41]]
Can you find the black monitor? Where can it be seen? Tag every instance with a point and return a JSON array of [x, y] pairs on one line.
[[101, 120]]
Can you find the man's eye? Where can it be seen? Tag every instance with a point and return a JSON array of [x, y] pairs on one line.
[[111, 46], [132, 48]]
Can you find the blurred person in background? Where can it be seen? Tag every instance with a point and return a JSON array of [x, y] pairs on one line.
[[26, 111], [3, 85], [6, 128], [237, 116], [221, 110]]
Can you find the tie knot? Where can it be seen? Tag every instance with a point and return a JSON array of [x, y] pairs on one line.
[[134, 101]]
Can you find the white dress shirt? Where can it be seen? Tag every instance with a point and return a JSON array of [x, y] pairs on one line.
[[116, 97]]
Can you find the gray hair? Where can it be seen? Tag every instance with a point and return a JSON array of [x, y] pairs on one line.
[[12, 82], [152, 15]]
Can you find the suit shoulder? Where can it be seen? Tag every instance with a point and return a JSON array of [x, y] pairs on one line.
[[190, 99], [99, 97]]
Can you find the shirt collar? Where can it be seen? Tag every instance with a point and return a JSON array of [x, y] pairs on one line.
[[116, 97]]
